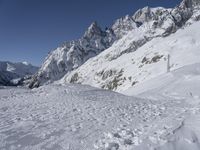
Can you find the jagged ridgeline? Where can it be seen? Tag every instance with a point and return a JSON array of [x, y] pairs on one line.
[[88, 60], [12, 74]]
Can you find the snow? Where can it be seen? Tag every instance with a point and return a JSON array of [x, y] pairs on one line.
[[76, 117], [126, 35], [17, 69], [25, 63], [71, 55], [11, 72], [131, 68], [155, 109], [183, 82], [10, 68], [159, 113]]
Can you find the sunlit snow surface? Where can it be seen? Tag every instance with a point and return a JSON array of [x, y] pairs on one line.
[[129, 68], [76, 117]]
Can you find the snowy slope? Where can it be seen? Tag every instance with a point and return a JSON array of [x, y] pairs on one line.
[[126, 35], [182, 85], [77, 117], [10, 71], [116, 71], [183, 82], [164, 113]]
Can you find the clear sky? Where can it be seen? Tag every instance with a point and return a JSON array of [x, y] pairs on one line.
[[29, 29]]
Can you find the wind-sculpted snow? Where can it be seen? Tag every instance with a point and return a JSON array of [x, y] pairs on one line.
[[75, 117], [126, 35]]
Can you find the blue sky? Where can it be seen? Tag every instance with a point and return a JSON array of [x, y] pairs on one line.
[[29, 29]]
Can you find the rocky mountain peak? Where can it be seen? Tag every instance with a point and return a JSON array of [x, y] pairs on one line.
[[93, 25], [189, 3], [146, 24], [123, 25], [93, 29], [142, 15]]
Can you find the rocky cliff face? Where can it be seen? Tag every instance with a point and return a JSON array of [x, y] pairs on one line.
[[72, 54], [125, 36], [189, 3]]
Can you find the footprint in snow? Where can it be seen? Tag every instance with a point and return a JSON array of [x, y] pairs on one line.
[[119, 139]]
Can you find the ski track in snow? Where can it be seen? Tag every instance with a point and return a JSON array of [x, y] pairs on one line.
[[76, 117]]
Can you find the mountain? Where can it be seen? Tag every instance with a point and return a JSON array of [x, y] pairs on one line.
[[134, 67], [73, 54], [134, 49], [12, 73]]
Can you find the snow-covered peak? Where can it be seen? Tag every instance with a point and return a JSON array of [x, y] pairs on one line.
[[123, 25], [73, 54], [189, 3], [126, 35], [93, 29], [143, 15], [25, 63], [147, 14], [10, 71], [138, 57]]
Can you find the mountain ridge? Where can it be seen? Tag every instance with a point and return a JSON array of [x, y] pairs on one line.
[[146, 23], [11, 73]]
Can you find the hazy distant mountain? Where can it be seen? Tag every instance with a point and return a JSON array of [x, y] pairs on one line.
[[128, 52], [11, 73]]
